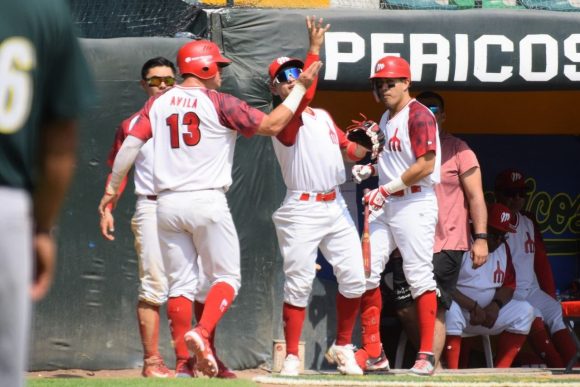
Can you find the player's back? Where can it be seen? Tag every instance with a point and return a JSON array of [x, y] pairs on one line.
[[36, 48], [193, 148]]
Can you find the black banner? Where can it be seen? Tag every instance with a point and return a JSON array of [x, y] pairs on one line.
[[472, 49]]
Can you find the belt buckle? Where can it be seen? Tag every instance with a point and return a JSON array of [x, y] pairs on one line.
[[326, 196]]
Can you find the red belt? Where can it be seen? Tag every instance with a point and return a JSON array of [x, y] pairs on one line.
[[414, 189], [152, 197], [320, 197]]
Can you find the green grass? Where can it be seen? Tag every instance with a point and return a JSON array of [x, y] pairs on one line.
[[137, 382]]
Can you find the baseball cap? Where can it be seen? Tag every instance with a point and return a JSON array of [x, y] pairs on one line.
[[510, 180], [500, 217], [283, 61]]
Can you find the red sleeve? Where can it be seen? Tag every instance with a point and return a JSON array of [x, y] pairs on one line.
[[236, 114], [542, 265], [510, 272], [288, 135], [422, 129], [142, 127]]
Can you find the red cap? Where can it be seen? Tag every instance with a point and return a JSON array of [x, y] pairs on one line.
[[500, 217], [392, 67], [510, 179], [283, 61]]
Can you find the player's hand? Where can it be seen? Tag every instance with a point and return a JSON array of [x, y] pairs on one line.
[[479, 253], [362, 172], [491, 313], [107, 225], [376, 198], [316, 33], [44, 255], [477, 316], [309, 75], [107, 198]]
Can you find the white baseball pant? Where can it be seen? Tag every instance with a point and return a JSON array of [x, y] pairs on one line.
[[192, 224], [406, 222], [549, 309], [153, 288], [516, 317], [304, 226]]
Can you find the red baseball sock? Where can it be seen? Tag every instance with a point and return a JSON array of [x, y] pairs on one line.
[[346, 311], [509, 344], [371, 304], [198, 311], [179, 313], [467, 344], [148, 319], [542, 345], [293, 317], [217, 303], [452, 351], [426, 314], [564, 344]]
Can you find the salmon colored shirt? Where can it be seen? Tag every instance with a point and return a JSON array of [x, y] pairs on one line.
[[452, 231]]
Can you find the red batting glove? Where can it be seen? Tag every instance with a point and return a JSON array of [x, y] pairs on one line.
[[376, 198]]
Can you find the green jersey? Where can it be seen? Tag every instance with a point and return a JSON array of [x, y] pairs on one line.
[[43, 76]]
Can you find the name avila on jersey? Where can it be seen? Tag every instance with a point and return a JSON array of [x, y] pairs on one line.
[[493, 58], [183, 102]]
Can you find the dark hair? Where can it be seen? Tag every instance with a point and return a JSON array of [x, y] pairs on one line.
[[156, 62], [432, 95]]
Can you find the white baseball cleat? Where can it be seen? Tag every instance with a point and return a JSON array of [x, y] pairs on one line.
[[291, 366], [343, 357]]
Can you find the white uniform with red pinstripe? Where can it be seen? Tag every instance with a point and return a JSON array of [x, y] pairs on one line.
[[480, 285], [522, 246], [194, 148], [314, 165], [407, 222]]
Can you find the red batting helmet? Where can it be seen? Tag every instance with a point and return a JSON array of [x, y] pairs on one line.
[[392, 67], [283, 61], [200, 58]]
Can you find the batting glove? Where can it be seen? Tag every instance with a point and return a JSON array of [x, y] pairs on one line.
[[376, 198], [362, 172]]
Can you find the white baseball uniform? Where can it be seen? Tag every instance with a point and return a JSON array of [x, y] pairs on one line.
[[408, 218], [194, 133], [523, 248], [314, 214], [480, 285], [153, 287]]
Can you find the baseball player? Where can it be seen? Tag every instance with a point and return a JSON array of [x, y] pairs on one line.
[[157, 75], [194, 130], [314, 214], [38, 129], [407, 168], [528, 252], [459, 198], [483, 303]]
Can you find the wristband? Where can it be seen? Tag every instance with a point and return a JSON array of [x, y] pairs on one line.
[[480, 236], [293, 100], [395, 185], [351, 151], [499, 302]]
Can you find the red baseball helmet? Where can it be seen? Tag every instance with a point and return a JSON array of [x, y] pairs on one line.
[[392, 67], [200, 58], [283, 61]]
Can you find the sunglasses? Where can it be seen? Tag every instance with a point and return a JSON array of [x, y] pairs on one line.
[[514, 193], [284, 75], [156, 81], [389, 82], [434, 109]]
